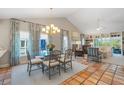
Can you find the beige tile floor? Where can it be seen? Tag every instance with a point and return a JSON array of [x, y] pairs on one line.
[[119, 60], [98, 74], [109, 72]]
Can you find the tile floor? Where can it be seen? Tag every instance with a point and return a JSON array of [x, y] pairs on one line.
[[5, 76], [98, 74]]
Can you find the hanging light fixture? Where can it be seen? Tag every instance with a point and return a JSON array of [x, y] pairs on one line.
[[51, 29], [98, 25]]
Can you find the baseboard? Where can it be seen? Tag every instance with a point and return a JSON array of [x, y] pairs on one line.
[[4, 65]]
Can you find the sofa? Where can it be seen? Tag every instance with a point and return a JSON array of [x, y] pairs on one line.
[[94, 54], [106, 51]]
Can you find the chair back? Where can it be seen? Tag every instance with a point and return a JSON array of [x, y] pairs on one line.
[[57, 53], [28, 56], [93, 52], [52, 57], [68, 54], [96, 50]]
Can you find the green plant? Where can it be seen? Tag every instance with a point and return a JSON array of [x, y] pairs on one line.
[[50, 46]]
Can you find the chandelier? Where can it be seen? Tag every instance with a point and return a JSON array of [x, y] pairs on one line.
[[99, 27], [50, 29]]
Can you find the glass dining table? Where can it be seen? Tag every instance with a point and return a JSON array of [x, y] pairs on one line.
[[43, 54]]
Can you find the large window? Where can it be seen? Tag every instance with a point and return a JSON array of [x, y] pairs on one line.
[[24, 36], [44, 40], [113, 42]]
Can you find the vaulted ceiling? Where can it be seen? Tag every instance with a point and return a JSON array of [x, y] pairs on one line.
[[85, 19], [110, 19], [35, 12]]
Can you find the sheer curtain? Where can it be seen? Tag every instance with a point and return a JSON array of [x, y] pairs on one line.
[[69, 42], [65, 34], [34, 39], [81, 38], [38, 32], [61, 39], [14, 42]]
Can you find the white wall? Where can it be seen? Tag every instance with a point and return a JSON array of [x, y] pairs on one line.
[[4, 33], [60, 22], [4, 42]]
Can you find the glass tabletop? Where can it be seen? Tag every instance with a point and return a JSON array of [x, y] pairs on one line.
[[43, 54]]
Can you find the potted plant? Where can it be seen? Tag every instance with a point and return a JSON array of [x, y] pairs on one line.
[[50, 47]]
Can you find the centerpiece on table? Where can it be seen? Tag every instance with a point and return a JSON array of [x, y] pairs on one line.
[[50, 47]]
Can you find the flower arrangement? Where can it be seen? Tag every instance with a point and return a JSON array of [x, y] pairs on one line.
[[50, 47]]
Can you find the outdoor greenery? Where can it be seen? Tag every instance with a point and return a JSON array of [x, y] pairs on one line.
[[113, 42]]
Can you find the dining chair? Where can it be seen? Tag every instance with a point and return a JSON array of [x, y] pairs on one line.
[[67, 59], [33, 62], [51, 62], [57, 53]]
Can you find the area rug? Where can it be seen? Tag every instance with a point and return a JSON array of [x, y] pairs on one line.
[[20, 75]]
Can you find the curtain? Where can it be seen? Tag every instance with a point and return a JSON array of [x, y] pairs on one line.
[[34, 39], [81, 38], [61, 39], [66, 34], [38, 32], [14, 42], [69, 42]]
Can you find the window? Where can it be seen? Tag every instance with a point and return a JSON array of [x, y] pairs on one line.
[[23, 43], [113, 42], [65, 43], [24, 36], [43, 44]]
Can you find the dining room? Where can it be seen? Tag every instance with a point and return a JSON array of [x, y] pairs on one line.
[[59, 46], [49, 48], [33, 45]]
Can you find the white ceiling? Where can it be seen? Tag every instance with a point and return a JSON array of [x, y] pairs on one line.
[[85, 19], [35, 12]]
